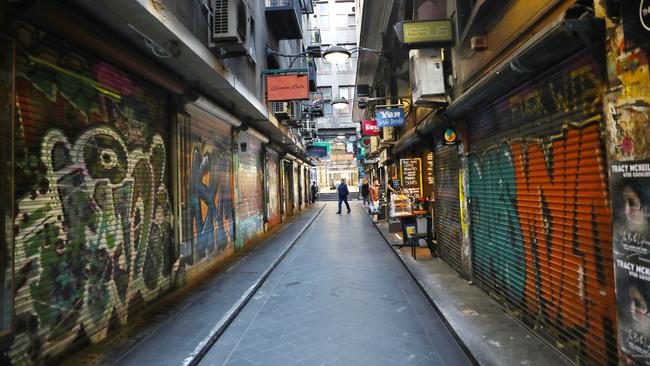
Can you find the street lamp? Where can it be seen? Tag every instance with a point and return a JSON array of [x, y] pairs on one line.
[[339, 103], [339, 55]]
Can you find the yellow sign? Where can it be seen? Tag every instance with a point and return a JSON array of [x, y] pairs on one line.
[[430, 31]]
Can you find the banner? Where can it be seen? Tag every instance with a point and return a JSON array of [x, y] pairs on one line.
[[283, 88], [320, 149], [392, 117], [630, 194], [369, 127], [411, 175]]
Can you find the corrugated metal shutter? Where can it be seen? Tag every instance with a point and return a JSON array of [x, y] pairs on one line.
[[251, 188], [209, 224], [295, 189], [93, 226], [273, 187], [447, 216], [540, 217]]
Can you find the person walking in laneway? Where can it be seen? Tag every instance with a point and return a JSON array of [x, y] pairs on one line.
[[365, 192], [343, 192], [314, 192], [374, 195]]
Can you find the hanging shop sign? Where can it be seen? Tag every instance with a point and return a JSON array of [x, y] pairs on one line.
[[391, 117], [411, 176], [365, 142], [636, 23], [430, 168], [450, 136], [288, 87], [320, 149], [424, 34], [369, 127], [630, 195]]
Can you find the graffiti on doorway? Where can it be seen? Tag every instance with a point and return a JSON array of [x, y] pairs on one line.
[[93, 218], [541, 229], [211, 201]]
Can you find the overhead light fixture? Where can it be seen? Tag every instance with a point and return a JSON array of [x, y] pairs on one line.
[[337, 55], [341, 137], [339, 103]]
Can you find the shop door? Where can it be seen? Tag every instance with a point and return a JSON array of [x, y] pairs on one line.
[[251, 187], [540, 216], [273, 187], [93, 218], [287, 194], [209, 221], [447, 205]]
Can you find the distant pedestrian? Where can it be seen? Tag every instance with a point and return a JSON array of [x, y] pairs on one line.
[[365, 192], [343, 192], [374, 195], [314, 192], [392, 187]]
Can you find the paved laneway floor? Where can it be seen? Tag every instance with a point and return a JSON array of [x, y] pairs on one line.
[[340, 297]]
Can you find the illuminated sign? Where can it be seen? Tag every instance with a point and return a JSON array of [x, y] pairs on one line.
[[450, 136], [320, 149], [392, 117], [369, 127], [283, 88], [428, 32]]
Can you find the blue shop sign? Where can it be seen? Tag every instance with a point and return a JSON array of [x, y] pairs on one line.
[[392, 117]]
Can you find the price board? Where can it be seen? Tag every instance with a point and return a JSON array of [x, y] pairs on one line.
[[411, 176]]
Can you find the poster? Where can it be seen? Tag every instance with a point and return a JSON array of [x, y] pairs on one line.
[[411, 170], [630, 193]]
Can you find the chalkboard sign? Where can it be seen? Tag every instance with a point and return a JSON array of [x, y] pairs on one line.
[[411, 170]]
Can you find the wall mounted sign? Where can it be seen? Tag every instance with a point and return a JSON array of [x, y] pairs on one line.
[[411, 175], [365, 142], [430, 179], [392, 117], [636, 23], [283, 88], [369, 127], [420, 34], [450, 136], [320, 149]]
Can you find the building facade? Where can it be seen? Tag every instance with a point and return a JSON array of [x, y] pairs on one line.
[[139, 152], [536, 147]]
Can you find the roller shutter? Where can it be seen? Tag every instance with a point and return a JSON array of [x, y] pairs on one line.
[[251, 187], [296, 187], [93, 219], [540, 216], [209, 222], [273, 187], [447, 216]]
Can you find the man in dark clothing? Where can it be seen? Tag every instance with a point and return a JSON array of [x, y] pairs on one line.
[[314, 192], [343, 192]]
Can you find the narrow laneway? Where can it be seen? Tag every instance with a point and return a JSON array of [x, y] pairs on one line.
[[339, 297]]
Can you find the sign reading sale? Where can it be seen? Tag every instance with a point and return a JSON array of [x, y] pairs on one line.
[[369, 127]]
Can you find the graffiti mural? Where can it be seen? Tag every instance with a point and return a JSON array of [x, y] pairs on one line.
[[251, 188], [210, 200], [541, 230], [93, 217]]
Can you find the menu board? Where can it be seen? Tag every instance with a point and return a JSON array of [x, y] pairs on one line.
[[411, 171], [430, 168]]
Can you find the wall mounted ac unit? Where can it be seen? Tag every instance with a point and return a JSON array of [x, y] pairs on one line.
[[282, 110], [231, 26], [427, 76]]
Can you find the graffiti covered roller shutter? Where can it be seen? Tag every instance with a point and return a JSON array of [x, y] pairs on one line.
[[273, 188], [251, 187], [540, 217], [209, 223], [93, 224], [447, 217]]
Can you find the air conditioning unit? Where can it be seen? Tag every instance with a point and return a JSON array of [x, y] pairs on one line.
[[427, 76], [231, 26], [282, 110]]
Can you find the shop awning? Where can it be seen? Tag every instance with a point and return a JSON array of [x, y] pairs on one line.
[[554, 43]]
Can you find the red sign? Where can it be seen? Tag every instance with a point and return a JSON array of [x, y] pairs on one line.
[[283, 88], [369, 127]]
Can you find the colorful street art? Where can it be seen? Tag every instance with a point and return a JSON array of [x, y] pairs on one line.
[[93, 215], [251, 189], [541, 229], [210, 200]]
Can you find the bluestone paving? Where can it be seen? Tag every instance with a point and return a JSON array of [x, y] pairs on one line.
[[339, 297]]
